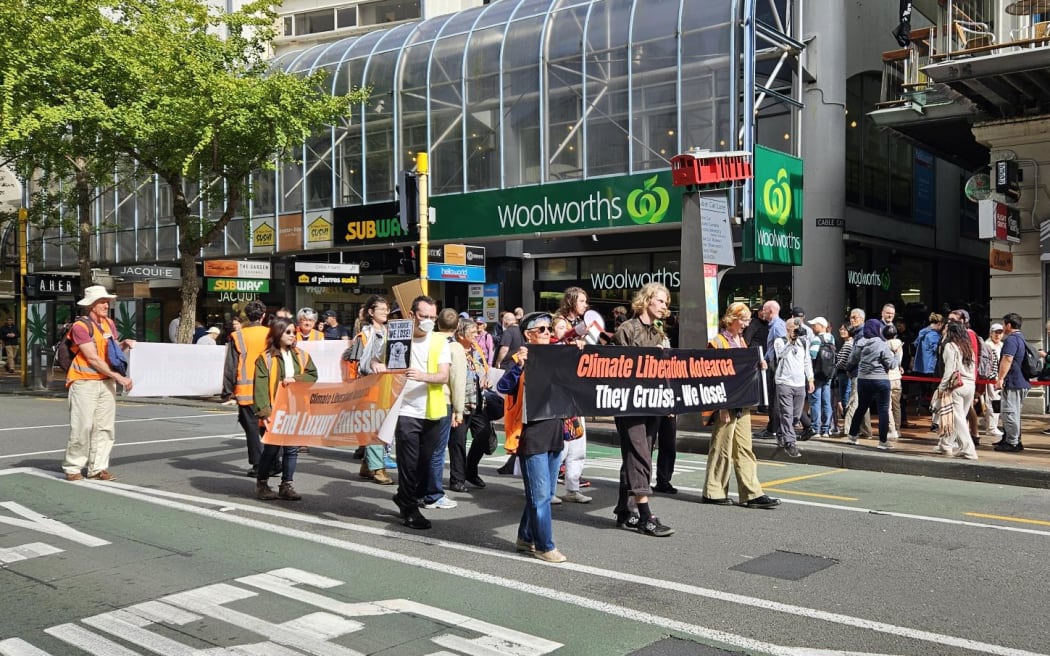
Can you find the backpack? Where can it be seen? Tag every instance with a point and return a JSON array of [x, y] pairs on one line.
[[63, 348], [824, 363], [1029, 363], [351, 361]]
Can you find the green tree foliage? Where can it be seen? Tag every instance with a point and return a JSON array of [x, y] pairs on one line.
[[169, 86]]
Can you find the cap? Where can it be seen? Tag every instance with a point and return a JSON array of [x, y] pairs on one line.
[[533, 319], [997, 327], [464, 315], [797, 312], [214, 330], [819, 321], [329, 313], [480, 319]]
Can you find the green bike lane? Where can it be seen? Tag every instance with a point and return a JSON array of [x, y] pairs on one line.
[[114, 570]]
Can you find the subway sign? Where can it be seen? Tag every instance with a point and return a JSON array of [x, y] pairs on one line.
[[238, 285]]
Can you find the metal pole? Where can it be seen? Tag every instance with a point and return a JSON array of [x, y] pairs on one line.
[[692, 296], [422, 170], [23, 270]]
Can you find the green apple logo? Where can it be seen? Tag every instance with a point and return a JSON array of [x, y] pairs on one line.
[[649, 204], [885, 280], [776, 196]]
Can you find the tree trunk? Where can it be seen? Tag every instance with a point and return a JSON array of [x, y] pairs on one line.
[[84, 228], [188, 250]]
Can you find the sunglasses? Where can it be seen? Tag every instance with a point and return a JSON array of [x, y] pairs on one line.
[[541, 329]]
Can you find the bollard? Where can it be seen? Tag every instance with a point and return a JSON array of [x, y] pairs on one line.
[[39, 366]]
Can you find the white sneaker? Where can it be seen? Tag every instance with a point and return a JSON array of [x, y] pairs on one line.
[[994, 432], [885, 446], [576, 497], [555, 501], [852, 439], [444, 503]]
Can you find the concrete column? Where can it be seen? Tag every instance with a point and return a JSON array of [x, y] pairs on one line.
[[819, 284]]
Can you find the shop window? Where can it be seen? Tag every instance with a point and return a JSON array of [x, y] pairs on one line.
[[556, 268]]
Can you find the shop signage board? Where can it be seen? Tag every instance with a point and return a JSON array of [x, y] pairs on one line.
[[1000, 260], [455, 273], [143, 272], [238, 285], [41, 285], [599, 204], [264, 234], [716, 229], [998, 221], [774, 235], [328, 267], [290, 232], [319, 229], [456, 263], [255, 269], [490, 294], [368, 224], [860, 278]]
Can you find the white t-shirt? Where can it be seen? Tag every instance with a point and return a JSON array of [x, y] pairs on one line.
[[414, 396]]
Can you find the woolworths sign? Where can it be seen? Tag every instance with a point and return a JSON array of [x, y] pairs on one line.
[[620, 202], [774, 236]]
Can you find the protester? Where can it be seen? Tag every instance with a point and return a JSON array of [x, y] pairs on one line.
[[539, 448], [776, 330], [1013, 383], [332, 329], [245, 346], [463, 466], [619, 316], [666, 433], [208, 338], [484, 339], [988, 369], [199, 331], [305, 329], [10, 338], [956, 391], [423, 411], [822, 354], [794, 379], [435, 497], [574, 455], [731, 435], [638, 432], [369, 351], [872, 359], [889, 311], [92, 382], [843, 382], [510, 341], [856, 322], [281, 364]]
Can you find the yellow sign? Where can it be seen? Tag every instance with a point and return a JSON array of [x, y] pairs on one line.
[[319, 231], [455, 254], [1000, 260], [264, 236]]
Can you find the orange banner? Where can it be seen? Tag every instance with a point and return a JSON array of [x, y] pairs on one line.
[[332, 414]]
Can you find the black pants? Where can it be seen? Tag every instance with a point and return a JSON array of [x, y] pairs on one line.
[[636, 448], [250, 423], [461, 464], [417, 439], [666, 449]]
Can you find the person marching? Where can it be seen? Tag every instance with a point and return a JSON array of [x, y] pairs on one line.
[[463, 465], [638, 432], [956, 391], [280, 364], [539, 446], [369, 351], [731, 435], [244, 347], [306, 330]]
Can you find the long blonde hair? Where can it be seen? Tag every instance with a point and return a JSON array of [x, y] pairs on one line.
[[644, 295]]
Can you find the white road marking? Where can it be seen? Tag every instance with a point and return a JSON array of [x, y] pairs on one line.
[[122, 421], [119, 445], [159, 497], [26, 552], [34, 521]]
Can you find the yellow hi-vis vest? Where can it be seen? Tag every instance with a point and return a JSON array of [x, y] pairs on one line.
[[436, 406]]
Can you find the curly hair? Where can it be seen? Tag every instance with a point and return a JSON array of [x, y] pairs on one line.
[[644, 295]]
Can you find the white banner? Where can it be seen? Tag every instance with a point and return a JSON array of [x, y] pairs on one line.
[[326, 354], [176, 369]]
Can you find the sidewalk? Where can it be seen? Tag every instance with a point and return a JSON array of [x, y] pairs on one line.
[[913, 455]]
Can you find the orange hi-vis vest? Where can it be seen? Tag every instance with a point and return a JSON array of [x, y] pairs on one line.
[[513, 410], [249, 343], [271, 365], [81, 369], [313, 336]]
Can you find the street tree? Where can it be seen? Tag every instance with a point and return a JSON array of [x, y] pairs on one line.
[[185, 92]]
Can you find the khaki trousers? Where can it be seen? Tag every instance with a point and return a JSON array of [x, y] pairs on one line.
[[731, 449], [92, 415]]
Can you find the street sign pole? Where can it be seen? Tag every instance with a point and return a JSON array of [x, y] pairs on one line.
[[422, 171], [20, 297]]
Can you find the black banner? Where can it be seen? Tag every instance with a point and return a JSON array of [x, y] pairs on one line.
[[563, 381]]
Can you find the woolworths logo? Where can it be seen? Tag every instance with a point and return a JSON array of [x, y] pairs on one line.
[[869, 278], [776, 196], [648, 204]]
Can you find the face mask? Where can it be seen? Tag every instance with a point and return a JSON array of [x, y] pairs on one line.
[[426, 325]]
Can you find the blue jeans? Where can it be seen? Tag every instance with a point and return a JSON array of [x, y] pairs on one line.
[[269, 456], [820, 407], [435, 488], [539, 473]]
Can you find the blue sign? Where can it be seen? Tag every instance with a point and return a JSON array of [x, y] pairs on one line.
[[491, 289], [455, 273]]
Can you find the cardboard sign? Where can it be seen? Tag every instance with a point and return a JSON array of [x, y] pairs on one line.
[[399, 343]]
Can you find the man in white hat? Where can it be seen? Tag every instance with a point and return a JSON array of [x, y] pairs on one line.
[[91, 382], [209, 337]]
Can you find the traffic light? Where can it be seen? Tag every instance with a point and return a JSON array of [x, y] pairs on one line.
[[408, 260], [408, 199]]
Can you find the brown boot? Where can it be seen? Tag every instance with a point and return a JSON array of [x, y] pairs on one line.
[[365, 472], [380, 476], [264, 492], [287, 492]]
